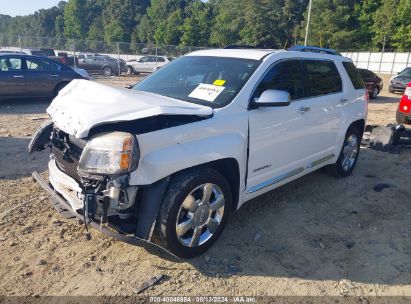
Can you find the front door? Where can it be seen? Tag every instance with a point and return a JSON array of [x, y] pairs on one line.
[[12, 81]]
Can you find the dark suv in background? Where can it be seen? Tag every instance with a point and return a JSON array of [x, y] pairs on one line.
[[104, 65], [372, 82], [399, 83]]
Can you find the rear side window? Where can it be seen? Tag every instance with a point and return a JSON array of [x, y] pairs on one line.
[[354, 75], [323, 77], [34, 64], [284, 76]]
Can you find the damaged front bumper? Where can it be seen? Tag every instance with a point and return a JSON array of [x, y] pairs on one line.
[[64, 194]]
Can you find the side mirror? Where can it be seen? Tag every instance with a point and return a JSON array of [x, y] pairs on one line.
[[272, 98], [129, 86]]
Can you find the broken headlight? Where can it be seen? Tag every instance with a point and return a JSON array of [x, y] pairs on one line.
[[111, 153]]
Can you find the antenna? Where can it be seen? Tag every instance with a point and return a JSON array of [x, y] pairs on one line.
[[308, 23]]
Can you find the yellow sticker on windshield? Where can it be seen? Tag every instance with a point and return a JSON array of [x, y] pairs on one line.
[[219, 82]]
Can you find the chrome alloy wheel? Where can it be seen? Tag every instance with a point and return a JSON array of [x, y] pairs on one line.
[[350, 152], [200, 215]]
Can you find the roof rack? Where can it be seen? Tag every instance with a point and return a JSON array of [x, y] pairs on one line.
[[240, 46], [313, 49]]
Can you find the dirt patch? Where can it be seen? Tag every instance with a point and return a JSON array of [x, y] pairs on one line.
[[315, 236]]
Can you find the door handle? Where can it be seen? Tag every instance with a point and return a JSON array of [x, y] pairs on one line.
[[303, 110], [55, 75], [18, 76], [343, 100]]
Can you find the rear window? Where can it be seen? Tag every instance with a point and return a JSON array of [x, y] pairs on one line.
[[354, 75], [323, 77]]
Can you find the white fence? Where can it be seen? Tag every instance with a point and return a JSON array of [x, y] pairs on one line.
[[389, 63]]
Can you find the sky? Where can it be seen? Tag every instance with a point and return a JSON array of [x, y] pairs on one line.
[[24, 7]]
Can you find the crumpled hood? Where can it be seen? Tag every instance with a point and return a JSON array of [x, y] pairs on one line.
[[84, 104]]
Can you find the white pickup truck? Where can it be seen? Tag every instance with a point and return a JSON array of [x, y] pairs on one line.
[[181, 150]]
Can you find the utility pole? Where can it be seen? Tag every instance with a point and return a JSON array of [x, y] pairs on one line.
[[308, 23]]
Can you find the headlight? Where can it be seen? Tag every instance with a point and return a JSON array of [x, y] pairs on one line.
[[111, 153]]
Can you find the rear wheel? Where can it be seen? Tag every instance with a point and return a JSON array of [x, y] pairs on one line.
[[349, 154], [194, 212], [374, 93], [107, 71]]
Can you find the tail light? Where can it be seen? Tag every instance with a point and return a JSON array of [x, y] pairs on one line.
[[63, 60], [366, 96], [405, 102]]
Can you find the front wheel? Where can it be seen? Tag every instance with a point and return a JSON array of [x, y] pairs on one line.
[[349, 154], [129, 70], [194, 211]]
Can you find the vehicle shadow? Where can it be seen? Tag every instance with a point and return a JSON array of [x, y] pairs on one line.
[[386, 98], [24, 106], [322, 228], [15, 160]]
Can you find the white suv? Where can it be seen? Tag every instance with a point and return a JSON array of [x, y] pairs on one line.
[[180, 151]]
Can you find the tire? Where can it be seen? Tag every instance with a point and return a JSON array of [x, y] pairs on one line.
[[59, 87], [341, 168], [184, 215], [401, 118], [107, 71], [374, 93], [129, 70]]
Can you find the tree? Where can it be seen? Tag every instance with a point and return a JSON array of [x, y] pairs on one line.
[[74, 19], [385, 23], [402, 33]]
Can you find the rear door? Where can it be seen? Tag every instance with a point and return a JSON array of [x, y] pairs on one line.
[[12, 80], [325, 98], [41, 77]]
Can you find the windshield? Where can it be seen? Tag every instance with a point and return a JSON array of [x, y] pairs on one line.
[[211, 81], [406, 72]]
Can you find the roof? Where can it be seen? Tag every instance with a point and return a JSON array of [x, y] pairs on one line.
[[256, 54]]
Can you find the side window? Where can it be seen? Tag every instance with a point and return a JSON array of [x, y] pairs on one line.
[[323, 77], [10, 64], [55, 67], [285, 76], [143, 59], [354, 75], [38, 65], [160, 59]]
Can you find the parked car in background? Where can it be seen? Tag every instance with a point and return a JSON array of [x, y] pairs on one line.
[[399, 82], [373, 83], [181, 150], [24, 76], [101, 64], [82, 56], [146, 64], [43, 52], [404, 107]]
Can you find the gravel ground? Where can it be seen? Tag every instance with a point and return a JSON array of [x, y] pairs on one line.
[[315, 236]]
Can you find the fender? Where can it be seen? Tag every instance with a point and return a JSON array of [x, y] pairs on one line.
[[160, 163]]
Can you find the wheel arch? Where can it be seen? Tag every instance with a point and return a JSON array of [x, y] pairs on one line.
[[359, 124], [227, 167]]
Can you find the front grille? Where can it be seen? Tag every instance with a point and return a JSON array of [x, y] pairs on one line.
[[67, 164], [66, 154]]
